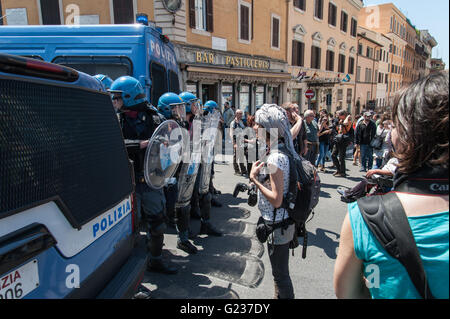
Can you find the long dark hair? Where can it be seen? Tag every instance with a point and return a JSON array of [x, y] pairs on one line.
[[420, 114]]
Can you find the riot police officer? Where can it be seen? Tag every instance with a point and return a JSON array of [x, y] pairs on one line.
[[204, 190], [138, 120], [105, 80], [210, 107], [173, 107], [193, 110]]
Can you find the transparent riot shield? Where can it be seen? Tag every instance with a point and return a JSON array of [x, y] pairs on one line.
[[189, 167], [210, 126], [164, 154]]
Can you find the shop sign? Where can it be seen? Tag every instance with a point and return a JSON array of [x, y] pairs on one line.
[[228, 60]]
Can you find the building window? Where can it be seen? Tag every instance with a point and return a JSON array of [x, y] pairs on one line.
[[318, 9], [330, 61], [351, 65], [344, 21], [332, 14], [360, 49], [353, 27], [315, 57], [358, 73], [50, 11], [201, 15], [275, 32], [300, 4], [341, 64], [298, 53], [369, 52], [297, 97], [349, 95], [244, 21]]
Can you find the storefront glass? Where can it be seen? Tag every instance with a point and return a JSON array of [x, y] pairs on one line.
[[227, 94], [192, 87], [244, 98], [259, 98]]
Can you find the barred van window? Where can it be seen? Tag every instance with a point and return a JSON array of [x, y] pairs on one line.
[[61, 154]]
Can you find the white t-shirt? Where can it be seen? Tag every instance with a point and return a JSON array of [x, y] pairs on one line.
[[280, 161], [390, 166]]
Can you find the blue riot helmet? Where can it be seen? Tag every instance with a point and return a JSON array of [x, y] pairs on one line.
[[193, 104], [130, 89], [172, 106], [105, 80], [210, 106]]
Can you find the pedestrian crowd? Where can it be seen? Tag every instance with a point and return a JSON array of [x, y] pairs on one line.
[[392, 149]]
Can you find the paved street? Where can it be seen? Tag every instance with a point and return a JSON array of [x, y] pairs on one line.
[[237, 265]]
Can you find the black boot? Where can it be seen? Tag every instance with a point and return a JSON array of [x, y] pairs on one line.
[[187, 247], [208, 229], [157, 265]]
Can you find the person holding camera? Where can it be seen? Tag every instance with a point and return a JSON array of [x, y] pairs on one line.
[[324, 139], [342, 140], [420, 140], [271, 178], [364, 135]]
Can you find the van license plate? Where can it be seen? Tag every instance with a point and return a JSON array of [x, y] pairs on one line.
[[20, 282]]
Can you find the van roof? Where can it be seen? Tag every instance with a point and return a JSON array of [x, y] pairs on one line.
[[78, 30]]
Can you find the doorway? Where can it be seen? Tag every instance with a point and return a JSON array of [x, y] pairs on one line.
[[209, 92]]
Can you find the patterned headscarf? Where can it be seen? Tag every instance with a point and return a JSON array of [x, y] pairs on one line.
[[272, 116]]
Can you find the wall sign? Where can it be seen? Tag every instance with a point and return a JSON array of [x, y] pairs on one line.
[[229, 60]]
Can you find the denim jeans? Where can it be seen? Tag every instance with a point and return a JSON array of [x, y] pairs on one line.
[[323, 149], [366, 157]]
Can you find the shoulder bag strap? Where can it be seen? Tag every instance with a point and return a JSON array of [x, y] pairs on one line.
[[386, 218]]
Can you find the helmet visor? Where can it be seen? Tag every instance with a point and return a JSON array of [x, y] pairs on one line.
[[195, 107], [178, 111]]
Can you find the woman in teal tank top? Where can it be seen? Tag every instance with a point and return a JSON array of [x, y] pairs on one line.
[[363, 269]]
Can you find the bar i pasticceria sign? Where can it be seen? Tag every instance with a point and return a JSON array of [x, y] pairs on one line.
[[230, 60]]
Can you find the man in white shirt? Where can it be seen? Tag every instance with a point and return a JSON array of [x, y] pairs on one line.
[[363, 187], [236, 129]]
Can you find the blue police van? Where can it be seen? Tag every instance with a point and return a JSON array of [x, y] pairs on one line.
[[137, 50], [68, 225]]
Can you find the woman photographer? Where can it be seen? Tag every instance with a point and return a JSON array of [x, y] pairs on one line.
[[420, 141], [272, 181]]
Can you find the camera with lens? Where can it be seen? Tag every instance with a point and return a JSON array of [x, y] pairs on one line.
[[251, 191]]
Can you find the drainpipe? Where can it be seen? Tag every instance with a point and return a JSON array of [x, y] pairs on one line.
[[356, 77]]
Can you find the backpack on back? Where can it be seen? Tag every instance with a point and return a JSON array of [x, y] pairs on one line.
[[302, 196]]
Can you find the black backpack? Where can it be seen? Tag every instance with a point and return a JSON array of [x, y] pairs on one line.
[[302, 196]]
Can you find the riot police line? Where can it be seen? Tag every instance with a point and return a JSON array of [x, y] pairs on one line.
[[172, 147]]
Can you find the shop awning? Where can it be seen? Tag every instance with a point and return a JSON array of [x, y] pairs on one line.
[[232, 75]]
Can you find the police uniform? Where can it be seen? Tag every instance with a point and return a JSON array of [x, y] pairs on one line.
[[138, 126]]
